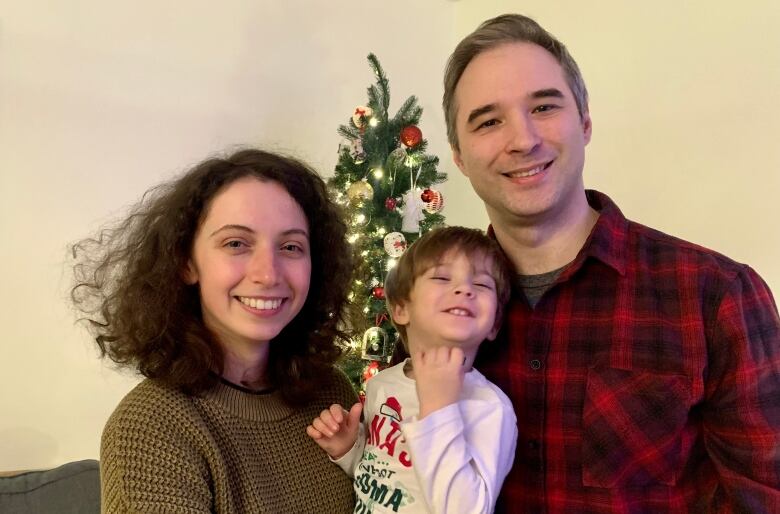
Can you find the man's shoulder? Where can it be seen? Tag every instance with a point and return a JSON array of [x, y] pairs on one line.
[[655, 247]]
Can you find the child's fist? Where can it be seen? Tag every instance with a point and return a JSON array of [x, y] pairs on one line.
[[438, 373]]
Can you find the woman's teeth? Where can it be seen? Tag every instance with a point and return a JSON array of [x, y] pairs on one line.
[[263, 305]]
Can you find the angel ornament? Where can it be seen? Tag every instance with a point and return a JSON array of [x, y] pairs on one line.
[[412, 211]]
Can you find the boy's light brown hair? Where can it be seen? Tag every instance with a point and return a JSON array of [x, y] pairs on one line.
[[430, 249]]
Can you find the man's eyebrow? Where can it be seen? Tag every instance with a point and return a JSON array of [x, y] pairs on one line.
[[547, 93], [479, 111]]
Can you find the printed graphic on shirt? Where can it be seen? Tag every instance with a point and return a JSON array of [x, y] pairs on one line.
[[384, 479]]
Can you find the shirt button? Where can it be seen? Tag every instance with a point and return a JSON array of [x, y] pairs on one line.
[[535, 364]]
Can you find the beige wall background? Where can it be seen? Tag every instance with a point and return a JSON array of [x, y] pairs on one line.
[[99, 101]]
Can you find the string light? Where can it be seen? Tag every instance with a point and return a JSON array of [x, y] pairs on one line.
[[381, 231], [373, 122], [360, 218], [353, 238], [365, 310], [378, 173], [391, 264]]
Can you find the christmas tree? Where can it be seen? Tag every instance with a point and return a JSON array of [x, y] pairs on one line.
[[384, 181]]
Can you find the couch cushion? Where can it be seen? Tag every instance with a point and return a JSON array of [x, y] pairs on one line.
[[73, 488]]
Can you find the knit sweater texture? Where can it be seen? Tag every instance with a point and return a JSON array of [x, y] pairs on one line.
[[225, 451]]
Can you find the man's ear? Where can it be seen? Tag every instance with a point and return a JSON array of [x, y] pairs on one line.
[[399, 313], [190, 273], [458, 160], [587, 126]]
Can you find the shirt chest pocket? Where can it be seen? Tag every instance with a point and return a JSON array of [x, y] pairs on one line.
[[632, 427]]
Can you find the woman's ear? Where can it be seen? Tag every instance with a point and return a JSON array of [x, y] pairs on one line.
[[190, 273]]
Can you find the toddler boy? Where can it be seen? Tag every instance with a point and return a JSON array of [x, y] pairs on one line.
[[438, 437]]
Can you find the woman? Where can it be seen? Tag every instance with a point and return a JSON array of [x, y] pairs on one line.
[[224, 288]]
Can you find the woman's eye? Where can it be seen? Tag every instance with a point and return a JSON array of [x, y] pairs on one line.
[[292, 247], [235, 244]]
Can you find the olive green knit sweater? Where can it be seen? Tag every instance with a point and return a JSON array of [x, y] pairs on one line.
[[228, 451]]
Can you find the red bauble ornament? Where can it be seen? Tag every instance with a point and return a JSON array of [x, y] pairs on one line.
[[378, 292], [426, 196], [370, 370], [390, 203], [411, 136]]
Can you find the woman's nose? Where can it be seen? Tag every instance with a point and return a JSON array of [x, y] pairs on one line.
[[262, 268]]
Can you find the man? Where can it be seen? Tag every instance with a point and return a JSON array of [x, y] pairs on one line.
[[644, 370]]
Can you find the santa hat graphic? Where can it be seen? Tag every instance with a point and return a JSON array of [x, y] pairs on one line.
[[391, 408]]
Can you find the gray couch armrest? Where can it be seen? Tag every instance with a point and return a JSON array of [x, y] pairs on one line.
[[73, 488]]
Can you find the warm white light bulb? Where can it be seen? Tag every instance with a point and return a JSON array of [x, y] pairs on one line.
[[353, 238], [373, 122], [378, 173], [381, 231], [360, 218], [391, 264]]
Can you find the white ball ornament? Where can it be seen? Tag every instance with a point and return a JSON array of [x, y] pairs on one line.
[[395, 244], [361, 115], [436, 204]]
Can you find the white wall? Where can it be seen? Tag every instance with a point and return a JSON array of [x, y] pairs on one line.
[[98, 103], [100, 100]]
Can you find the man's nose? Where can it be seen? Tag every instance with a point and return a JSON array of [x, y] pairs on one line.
[[522, 134]]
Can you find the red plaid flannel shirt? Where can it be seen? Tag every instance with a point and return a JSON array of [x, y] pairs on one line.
[[646, 380]]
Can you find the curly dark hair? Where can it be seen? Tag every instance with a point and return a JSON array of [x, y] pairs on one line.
[[130, 288]]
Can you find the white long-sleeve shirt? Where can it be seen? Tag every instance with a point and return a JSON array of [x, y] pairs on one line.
[[454, 460]]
